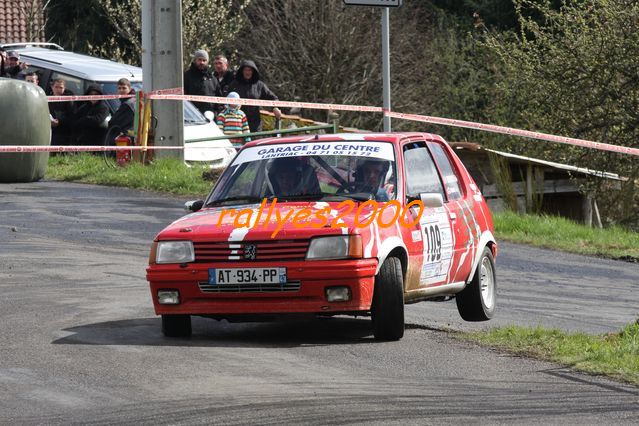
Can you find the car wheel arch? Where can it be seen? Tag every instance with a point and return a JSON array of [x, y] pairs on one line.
[[487, 239], [393, 248]]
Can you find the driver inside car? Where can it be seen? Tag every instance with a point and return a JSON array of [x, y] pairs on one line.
[[291, 176], [370, 177]]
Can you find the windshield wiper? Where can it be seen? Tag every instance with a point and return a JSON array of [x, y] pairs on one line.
[[327, 196], [301, 197], [242, 199], [357, 196]]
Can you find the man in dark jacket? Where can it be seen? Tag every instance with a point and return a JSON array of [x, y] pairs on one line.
[[3, 56], [14, 67], [248, 85], [61, 114], [90, 121], [199, 81], [222, 73]]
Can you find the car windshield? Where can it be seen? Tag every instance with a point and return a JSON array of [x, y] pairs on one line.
[[326, 171], [191, 114]]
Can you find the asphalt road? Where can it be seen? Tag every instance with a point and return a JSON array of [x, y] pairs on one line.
[[81, 344]]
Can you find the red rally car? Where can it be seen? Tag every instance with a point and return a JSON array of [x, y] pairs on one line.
[[347, 224]]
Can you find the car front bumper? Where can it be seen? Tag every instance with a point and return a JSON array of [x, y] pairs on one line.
[[313, 278]]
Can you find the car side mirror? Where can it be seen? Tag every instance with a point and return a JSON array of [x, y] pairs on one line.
[[193, 206], [431, 199], [209, 115]]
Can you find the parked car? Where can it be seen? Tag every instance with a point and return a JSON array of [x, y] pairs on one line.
[[80, 71], [355, 224]]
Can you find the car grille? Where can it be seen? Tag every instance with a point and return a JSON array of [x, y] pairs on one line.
[[249, 288], [260, 251]]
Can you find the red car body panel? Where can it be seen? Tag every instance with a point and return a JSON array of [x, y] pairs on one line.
[[465, 225]]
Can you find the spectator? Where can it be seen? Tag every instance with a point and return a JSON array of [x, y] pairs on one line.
[[2, 62], [222, 73], [199, 81], [90, 119], [232, 121], [123, 118], [248, 85], [61, 114], [32, 77], [14, 66]]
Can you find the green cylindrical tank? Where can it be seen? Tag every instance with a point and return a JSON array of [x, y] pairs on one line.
[[24, 120]]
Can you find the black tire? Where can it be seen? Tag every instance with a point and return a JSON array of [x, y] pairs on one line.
[[477, 301], [176, 325], [387, 310]]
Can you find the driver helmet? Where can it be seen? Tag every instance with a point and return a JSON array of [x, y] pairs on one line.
[[285, 174], [370, 173]]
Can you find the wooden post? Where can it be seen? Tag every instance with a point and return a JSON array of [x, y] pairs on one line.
[[587, 210], [597, 217], [334, 119], [529, 188]]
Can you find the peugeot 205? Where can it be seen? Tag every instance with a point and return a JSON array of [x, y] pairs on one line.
[[346, 224]]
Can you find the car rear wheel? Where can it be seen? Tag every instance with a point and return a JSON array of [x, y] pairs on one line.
[[477, 301], [387, 310], [176, 325]]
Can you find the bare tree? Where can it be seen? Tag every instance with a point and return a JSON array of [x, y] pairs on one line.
[[323, 51], [206, 24], [33, 13]]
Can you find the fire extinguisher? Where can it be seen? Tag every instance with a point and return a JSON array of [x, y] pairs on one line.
[[123, 157]]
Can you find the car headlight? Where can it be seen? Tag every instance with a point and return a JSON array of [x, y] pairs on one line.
[[174, 252], [335, 247]]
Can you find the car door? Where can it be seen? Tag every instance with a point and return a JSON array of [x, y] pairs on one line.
[[459, 211], [434, 250]]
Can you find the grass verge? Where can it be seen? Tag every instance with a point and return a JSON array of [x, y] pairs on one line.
[[166, 175], [614, 354], [563, 234]]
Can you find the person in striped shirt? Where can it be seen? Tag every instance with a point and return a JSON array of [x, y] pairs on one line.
[[232, 120]]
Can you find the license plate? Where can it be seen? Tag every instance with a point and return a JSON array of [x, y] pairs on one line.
[[247, 276]]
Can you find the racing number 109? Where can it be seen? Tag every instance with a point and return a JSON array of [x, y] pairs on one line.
[[433, 243]]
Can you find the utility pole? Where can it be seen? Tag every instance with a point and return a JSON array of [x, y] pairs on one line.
[[384, 4], [162, 69], [386, 67]]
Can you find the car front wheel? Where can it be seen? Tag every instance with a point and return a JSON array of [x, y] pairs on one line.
[[176, 325], [476, 302], [387, 310]]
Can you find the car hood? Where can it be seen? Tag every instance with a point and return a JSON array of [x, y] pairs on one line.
[[211, 224]]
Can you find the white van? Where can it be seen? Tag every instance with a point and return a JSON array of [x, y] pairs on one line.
[[79, 71]]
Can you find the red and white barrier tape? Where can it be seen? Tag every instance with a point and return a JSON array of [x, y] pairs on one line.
[[175, 94], [515, 132], [85, 97], [174, 91], [84, 148], [260, 102]]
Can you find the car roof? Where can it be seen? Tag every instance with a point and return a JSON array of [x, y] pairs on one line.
[[394, 137], [83, 66]]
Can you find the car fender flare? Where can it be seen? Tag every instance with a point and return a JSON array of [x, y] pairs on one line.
[[386, 247], [486, 237]]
